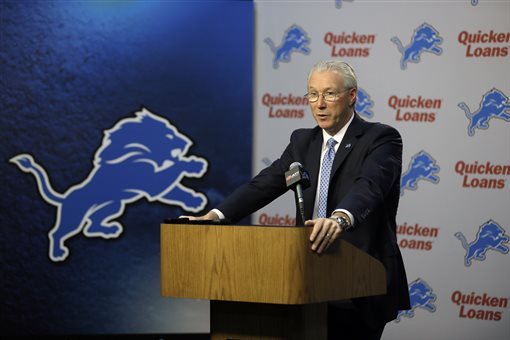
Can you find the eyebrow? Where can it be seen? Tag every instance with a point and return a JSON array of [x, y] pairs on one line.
[[326, 89]]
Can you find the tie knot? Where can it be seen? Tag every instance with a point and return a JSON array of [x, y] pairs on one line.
[[331, 143]]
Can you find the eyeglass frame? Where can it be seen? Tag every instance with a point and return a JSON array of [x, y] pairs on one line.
[[319, 94]]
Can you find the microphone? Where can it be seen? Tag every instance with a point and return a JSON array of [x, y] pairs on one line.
[[298, 179]]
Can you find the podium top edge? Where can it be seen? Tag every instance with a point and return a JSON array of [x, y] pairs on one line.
[[216, 224]]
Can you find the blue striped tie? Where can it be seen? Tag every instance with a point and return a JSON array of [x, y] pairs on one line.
[[327, 162]]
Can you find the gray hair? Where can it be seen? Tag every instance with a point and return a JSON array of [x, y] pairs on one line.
[[341, 67]]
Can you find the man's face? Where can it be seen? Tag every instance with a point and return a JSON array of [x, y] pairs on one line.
[[331, 115]]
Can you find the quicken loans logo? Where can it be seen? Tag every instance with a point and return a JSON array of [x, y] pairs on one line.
[[276, 219], [415, 108], [483, 175], [485, 44], [284, 105], [416, 236], [479, 306], [349, 44]]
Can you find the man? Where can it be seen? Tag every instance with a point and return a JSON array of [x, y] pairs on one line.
[[354, 169]]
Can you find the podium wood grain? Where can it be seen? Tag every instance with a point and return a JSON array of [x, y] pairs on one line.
[[263, 264], [264, 282]]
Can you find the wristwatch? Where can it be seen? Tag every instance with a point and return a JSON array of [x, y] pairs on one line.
[[342, 222]]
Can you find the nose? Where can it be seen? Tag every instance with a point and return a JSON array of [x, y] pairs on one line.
[[321, 102]]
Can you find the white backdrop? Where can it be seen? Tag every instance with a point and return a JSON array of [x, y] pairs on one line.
[[452, 70]]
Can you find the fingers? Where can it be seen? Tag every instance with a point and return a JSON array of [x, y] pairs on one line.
[[211, 215], [328, 239], [315, 230], [323, 240], [325, 232]]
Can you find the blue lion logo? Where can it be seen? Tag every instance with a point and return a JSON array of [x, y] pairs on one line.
[[295, 39], [363, 104], [474, 2], [338, 3], [425, 39], [490, 236], [422, 166], [494, 104], [266, 161], [421, 296], [140, 157]]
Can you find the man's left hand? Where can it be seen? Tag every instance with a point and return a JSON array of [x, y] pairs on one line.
[[325, 232]]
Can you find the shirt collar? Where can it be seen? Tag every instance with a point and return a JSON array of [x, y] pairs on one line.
[[338, 136]]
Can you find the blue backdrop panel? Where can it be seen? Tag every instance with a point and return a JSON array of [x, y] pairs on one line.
[[71, 74]]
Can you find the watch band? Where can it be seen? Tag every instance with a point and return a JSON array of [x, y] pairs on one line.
[[342, 222]]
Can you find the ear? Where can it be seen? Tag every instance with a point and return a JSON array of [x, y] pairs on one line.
[[353, 94]]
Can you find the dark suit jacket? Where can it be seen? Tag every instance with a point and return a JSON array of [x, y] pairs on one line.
[[365, 180]]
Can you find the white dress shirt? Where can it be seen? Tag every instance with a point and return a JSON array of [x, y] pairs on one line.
[[339, 136]]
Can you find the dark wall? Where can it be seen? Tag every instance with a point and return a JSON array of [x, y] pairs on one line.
[[69, 71]]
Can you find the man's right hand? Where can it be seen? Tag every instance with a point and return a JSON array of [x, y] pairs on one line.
[[210, 216]]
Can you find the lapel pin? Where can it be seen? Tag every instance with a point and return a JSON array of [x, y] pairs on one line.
[[348, 146]]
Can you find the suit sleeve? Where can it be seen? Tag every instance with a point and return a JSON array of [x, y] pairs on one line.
[[261, 190]]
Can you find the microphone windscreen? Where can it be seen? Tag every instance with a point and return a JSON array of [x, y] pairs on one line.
[[295, 165], [297, 175]]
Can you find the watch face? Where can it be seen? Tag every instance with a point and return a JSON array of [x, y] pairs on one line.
[[343, 223]]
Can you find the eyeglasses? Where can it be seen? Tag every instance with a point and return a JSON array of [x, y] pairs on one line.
[[329, 96]]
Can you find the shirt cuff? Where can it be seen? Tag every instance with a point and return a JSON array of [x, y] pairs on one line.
[[219, 213]]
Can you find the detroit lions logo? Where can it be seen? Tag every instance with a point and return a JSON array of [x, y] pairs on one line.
[[363, 104], [425, 39], [494, 104], [421, 167], [338, 3], [140, 157], [421, 296], [266, 161], [474, 2], [490, 236], [295, 39]]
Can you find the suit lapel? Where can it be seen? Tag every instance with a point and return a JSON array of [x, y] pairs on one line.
[[312, 161], [313, 158], [348, 142]]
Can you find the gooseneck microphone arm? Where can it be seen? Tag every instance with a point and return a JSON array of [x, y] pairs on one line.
[[301, 201]]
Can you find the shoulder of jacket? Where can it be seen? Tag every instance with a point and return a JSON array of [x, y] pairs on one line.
[[306, 133], [377, 127]]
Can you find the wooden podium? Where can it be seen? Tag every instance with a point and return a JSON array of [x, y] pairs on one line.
[[264, 282]]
